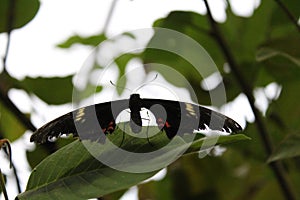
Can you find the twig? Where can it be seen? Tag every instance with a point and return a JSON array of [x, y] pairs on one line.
[[288, 14], [2, 183], [16, 177], [275, 166], [5, 143], [12, 165]]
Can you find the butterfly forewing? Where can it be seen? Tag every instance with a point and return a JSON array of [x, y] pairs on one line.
[[87, 122]]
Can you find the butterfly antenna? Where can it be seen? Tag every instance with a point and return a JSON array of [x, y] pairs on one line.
[[147, 83], [117, 86]]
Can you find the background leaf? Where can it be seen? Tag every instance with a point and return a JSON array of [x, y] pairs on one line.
[[7, 121], [24, 11], [76, 39], [52, 90]]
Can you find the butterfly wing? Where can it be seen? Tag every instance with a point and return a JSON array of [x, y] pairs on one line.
[[86, 122], [180, 117]]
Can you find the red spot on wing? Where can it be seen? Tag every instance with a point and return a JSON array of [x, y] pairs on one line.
[[162, 123], [110, 128], [167, 124]]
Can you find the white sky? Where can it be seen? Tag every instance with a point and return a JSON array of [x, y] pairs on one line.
[[33, 51]]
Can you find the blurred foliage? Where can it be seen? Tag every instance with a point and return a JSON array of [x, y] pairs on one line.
[[62, 86], [7, 121], [76, 39], [266, 49], [23, 12]]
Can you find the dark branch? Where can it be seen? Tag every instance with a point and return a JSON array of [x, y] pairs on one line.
[[2, 184], [288, 14], [246, 88], [14, 170], [13, 108]]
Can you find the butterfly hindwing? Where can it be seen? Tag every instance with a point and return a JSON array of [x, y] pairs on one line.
[[184, 117]]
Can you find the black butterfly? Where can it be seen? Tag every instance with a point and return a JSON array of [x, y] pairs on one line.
[[171, 116]]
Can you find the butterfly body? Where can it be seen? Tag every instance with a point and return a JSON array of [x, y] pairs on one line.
[[135, 107], [173, 117]]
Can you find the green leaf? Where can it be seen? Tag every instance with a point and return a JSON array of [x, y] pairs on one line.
[[94, 40], [288, 148], [81, 176], [34, 157], [10, 126], [52, 90], [23, 12]]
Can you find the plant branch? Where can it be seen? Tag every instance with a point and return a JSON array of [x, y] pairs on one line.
[[288, 14], [247, 89], [15, 110]]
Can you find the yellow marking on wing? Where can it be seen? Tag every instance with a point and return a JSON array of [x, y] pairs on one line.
[[79, 114], [190, 109]]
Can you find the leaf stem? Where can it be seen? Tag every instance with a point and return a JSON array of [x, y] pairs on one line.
[[247, 89]]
